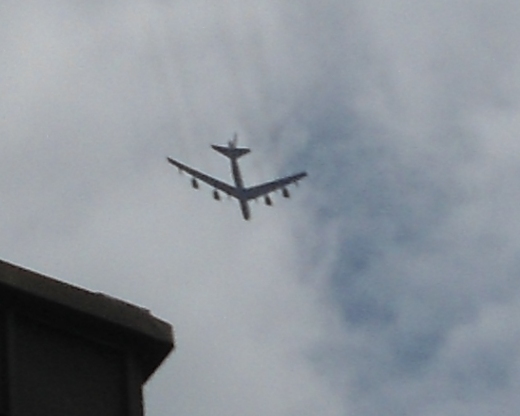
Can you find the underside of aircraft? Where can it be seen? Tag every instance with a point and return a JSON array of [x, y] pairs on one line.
[[238, 190]]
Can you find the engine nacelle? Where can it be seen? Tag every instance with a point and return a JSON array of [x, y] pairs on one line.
[[268, 200], [216, 195], [194, 183], [285, 193]]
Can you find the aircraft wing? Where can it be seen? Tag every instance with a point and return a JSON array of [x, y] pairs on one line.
[[215, 183], [265, 188]]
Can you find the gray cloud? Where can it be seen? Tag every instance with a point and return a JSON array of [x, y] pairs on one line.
[[387, 284], [428, 201]]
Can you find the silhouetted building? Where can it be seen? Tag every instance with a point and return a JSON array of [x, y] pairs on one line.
[[65, 351]]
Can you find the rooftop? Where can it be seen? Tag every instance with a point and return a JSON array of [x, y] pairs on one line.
[[151, 337]]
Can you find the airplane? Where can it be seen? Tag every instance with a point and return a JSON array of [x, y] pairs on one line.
[[239, 191]]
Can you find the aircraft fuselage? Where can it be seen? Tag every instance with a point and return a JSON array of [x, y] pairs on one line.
[[239, 184]]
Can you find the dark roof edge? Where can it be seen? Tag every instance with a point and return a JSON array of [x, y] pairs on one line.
[[96, 305]]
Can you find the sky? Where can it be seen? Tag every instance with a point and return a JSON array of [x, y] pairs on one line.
[[388, 284]]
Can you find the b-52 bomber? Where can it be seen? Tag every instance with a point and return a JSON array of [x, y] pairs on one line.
[[239, 191]]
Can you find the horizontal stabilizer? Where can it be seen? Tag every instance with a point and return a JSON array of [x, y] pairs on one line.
[[231, 152]]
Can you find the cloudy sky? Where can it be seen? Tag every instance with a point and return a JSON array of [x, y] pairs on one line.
[[390, 282]]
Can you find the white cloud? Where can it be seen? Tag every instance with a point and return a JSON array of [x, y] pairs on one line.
[[387, 284], [97, 96]]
